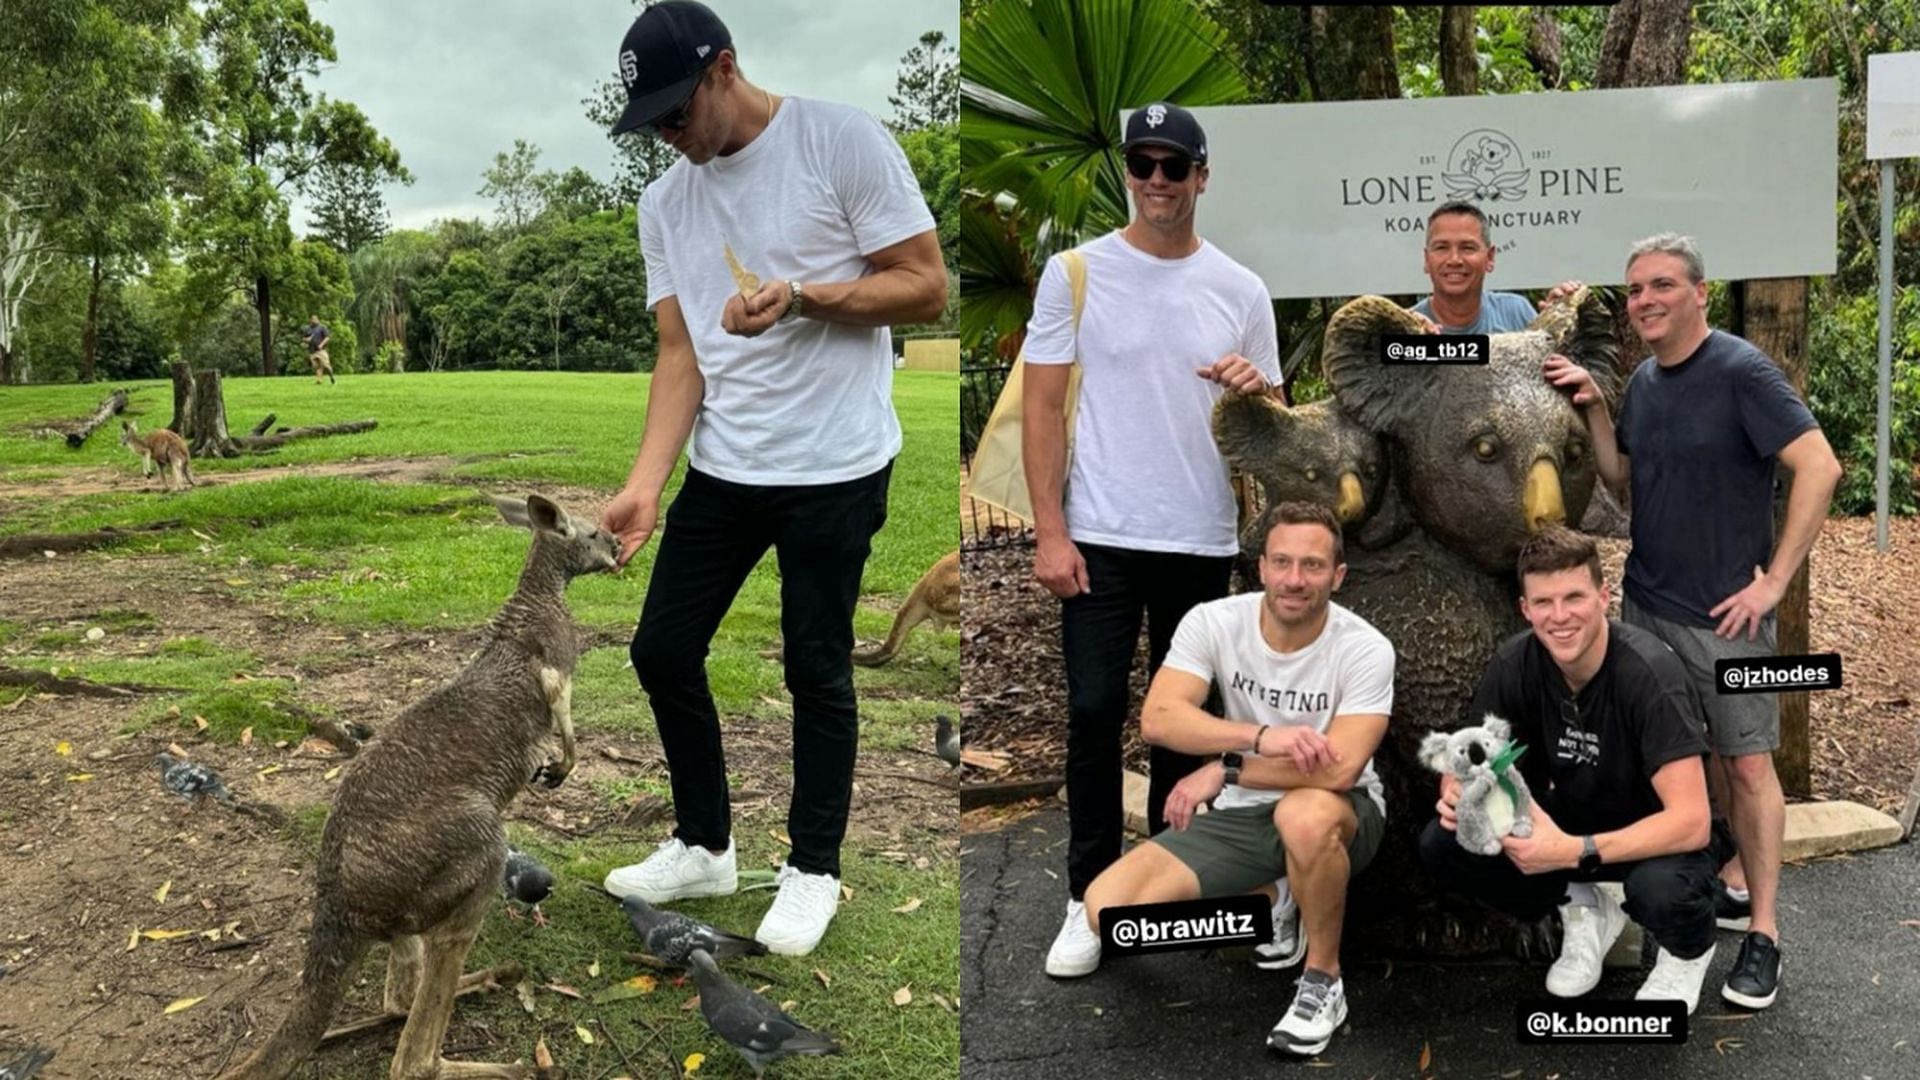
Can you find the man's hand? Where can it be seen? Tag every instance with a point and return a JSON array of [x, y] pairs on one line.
[[1547, 850], [1058, 565], [754, 315], [1235, 372], [1567, 375], [1449, 799], [631, 516], [1202, 785], [1564, 289], [1747, 607], [1309, 750]]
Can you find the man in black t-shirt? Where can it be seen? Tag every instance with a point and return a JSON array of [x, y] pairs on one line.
[[1615, 752], [1701, 430]]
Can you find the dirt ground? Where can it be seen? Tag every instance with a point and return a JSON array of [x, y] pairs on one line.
[[1865, 606], [87, 839]]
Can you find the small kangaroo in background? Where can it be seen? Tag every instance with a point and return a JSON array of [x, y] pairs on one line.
[[936, 596], [414, 849], [162, 448]]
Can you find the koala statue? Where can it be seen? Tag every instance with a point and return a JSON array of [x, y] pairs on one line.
[[1494, 800]]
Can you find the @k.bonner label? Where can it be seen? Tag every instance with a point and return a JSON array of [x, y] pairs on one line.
[[1332, 198], [1185, 924]]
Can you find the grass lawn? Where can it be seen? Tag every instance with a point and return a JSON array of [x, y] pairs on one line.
[[354, 553]]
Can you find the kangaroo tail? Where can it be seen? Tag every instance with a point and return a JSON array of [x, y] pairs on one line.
[[332, 950], [903, 624]]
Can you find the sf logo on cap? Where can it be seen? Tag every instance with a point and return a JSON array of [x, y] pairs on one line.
[[629, 68], [1156, 115]]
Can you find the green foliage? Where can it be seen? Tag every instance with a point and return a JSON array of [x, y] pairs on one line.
[[1843, 391], [349, 211]]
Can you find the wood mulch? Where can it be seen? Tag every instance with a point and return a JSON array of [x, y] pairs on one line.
[[1865, 606]]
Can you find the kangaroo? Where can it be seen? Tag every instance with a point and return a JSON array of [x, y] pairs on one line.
[[936, 596], [162, 448], [414, 850]]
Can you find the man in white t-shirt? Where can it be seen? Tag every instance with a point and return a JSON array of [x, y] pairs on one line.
[[1308, 686], [1146, 524], [786, 393]]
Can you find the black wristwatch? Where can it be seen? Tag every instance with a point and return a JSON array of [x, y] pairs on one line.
[[1589, 855], [1232, 760]]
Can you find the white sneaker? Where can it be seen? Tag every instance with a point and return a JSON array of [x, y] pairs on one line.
[[1289, 944], [1674, 979], [676, 872], [1076, 950], [1319, 1008], [800, 914], [1590, 932]]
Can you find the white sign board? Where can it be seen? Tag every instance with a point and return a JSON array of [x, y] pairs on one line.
[[1332, 199], [1893, 105]]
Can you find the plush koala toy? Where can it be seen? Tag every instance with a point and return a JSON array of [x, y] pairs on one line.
[[1494, 800]]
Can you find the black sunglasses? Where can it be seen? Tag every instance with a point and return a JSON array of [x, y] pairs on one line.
[[677, 118], [1175, 169]]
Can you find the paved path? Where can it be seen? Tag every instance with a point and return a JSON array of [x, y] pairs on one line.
[[1849, 1005]]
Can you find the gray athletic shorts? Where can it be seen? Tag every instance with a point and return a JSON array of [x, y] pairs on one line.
[[1736, 723], [1237, 850]]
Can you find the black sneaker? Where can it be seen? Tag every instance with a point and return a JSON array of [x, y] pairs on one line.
[[1729, 913], [1755, 977]]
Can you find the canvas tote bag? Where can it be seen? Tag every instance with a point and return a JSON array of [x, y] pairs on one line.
[[998, 475]]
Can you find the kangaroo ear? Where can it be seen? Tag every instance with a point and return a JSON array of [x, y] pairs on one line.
[[547, 516], [1434, 750]]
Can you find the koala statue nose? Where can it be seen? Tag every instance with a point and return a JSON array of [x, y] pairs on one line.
[[1476, 754]]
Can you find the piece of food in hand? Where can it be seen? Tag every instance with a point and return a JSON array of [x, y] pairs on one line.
[[744, 279]]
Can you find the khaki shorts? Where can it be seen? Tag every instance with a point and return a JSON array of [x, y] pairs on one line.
[[1736, 723], [1237, 850]]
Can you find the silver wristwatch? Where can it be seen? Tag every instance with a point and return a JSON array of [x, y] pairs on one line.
[[793, 307]]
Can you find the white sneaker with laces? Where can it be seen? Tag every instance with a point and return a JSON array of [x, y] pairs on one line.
[[1289, 944], [1076, 949], [1674, 979], [800, 914], [1319, 1008], [1590, 932], [677, 872]]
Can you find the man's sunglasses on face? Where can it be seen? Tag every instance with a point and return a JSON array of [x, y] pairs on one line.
[[1175, 169], [676, 119]]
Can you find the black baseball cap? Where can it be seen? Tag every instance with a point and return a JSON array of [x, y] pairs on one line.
[[1166, 124], [663, 55]]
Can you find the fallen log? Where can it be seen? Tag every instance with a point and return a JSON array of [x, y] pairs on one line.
[[260, 428], [974, 796], [115, 404], [268, 442], [28, 545], [57, 684]]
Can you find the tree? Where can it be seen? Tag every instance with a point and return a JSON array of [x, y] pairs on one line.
[[1646, 43], [515, 182], [385, 276], [267, 133], [574, 194], [927, 90], [637, 159], [349, 210]]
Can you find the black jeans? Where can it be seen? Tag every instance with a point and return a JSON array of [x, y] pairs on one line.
[[1099, 634], [1670, 896], [716, 532]]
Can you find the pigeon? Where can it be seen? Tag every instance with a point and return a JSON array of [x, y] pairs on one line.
[[673, 937], [190, 780], [19, 1064], [946, 739], [526, 882], [750, 1023]]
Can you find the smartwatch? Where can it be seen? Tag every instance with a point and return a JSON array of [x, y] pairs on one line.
[[1232, 760], [1589, 855]]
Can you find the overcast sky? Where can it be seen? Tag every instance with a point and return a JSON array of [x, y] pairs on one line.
[[453, 82]]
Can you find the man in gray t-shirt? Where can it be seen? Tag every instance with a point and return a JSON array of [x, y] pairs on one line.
[[1704, 425]]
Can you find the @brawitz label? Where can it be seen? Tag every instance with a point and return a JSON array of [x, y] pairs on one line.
[[1186, 924]]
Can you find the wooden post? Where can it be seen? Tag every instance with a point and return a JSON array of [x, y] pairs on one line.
[[1775, 318], [207, 423]]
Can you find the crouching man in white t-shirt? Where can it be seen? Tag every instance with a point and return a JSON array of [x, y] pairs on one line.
[[1308, 686]]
